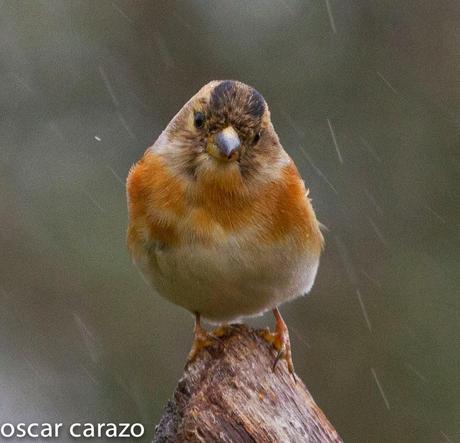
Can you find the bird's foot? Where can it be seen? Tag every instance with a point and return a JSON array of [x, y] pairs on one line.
[[220, 331], [201, 340], [225, 329], [281, 342]]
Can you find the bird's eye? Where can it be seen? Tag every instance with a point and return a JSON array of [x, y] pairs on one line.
[[257, 137], [199, 119]]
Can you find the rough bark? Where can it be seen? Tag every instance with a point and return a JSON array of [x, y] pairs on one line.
[[231, 394]]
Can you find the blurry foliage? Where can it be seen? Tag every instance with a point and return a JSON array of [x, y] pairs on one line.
[[87, 86]]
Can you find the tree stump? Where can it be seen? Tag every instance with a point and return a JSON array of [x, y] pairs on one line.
[[230, 394]]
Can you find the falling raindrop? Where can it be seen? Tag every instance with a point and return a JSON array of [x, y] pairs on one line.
[[387, 83], [108, 86], [364, 311], [331, 17], [331, 129], [382, 393]]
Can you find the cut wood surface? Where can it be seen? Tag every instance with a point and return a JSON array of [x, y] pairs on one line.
[[230, 394]]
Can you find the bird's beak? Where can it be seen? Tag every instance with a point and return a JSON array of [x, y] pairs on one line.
[[225, 145]]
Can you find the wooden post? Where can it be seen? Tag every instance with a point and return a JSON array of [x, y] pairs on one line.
[[230, 394]]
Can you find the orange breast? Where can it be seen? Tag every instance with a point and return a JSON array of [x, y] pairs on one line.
[[163, 208], [224, 198]]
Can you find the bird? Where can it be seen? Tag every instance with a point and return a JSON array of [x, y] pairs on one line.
[[220, 221]]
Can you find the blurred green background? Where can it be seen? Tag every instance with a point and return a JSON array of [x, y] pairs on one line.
[[87, 86]]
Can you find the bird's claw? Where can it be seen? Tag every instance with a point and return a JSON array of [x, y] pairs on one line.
[[201, 340], [225, 330], [280, 341], [279, 356]]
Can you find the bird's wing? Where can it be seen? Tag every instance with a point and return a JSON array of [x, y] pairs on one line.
[[286, 211], [155, 203]]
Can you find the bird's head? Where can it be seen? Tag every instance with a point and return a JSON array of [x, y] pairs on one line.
[[225, 129]]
